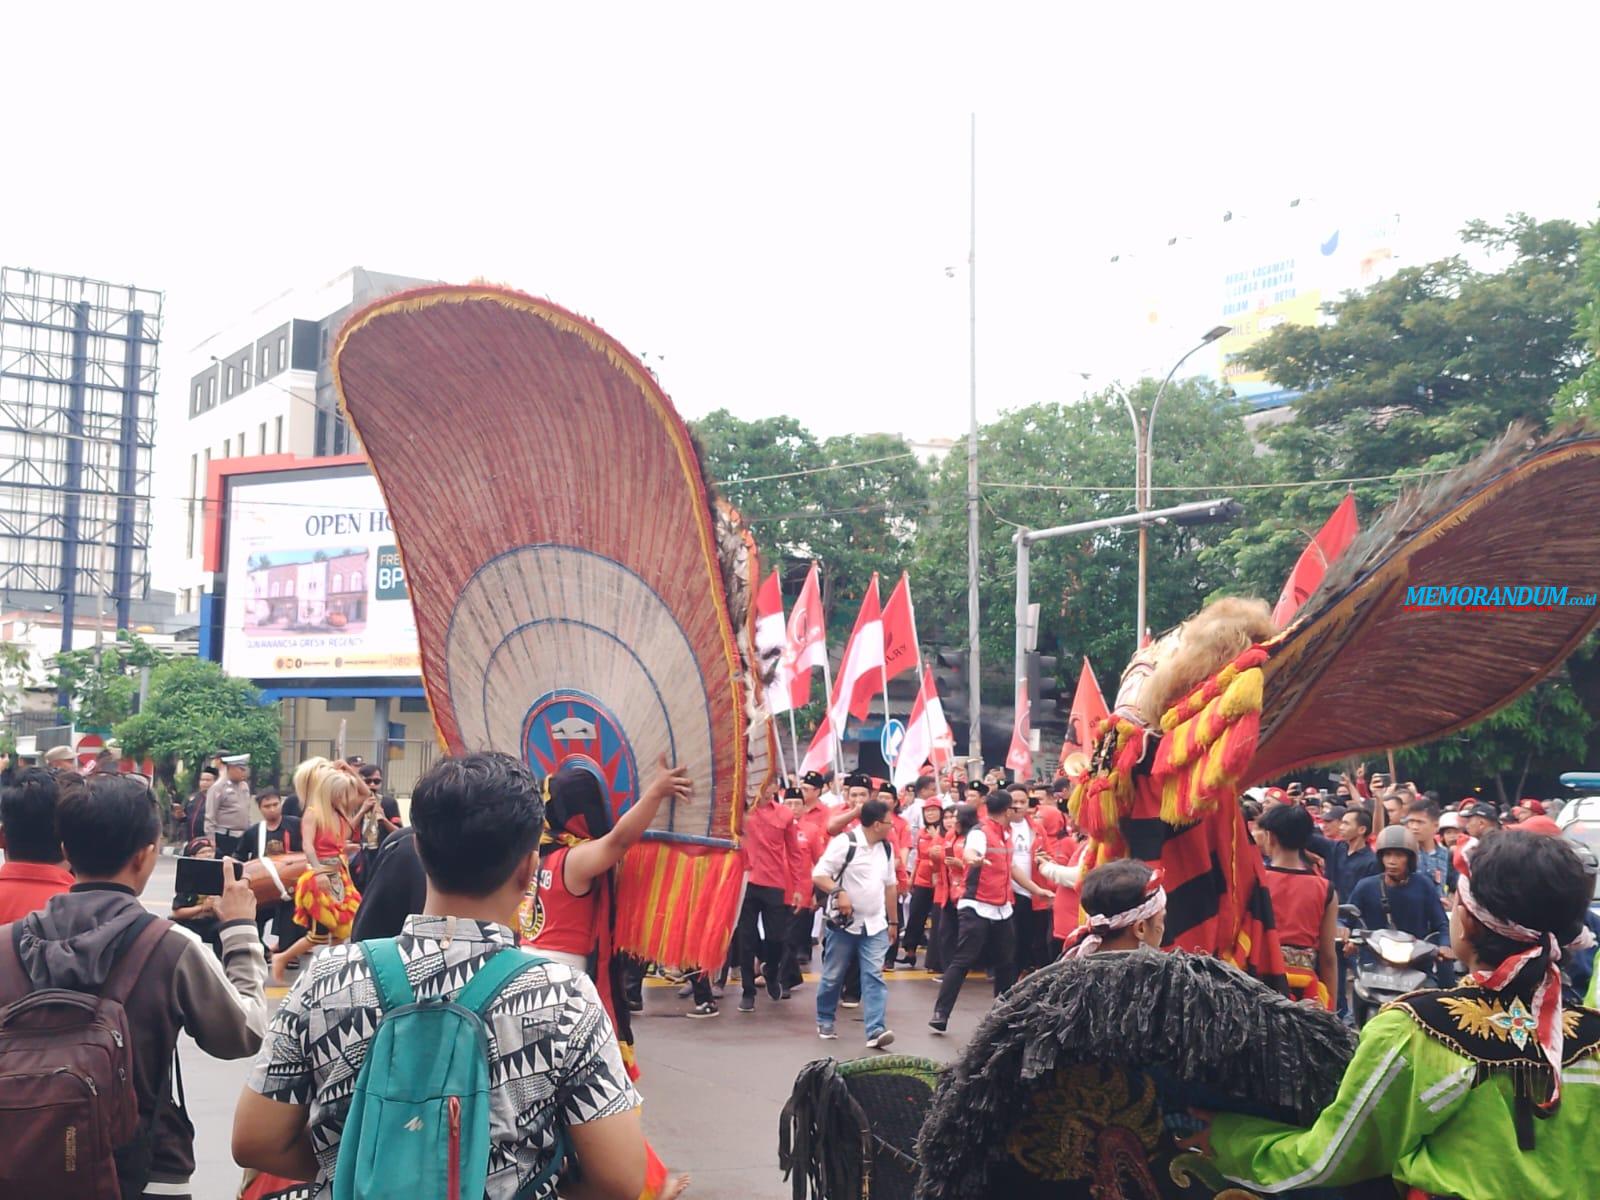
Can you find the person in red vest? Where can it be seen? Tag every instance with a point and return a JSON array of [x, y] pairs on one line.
[[948, 889], [984, 911], [570, 912], [1304, 904], [929, 866], [36, 867], [772, 858], [816, 825]]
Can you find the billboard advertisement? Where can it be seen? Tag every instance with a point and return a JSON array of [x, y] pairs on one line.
[[1252, 272], [315, 589], [1282, 273]]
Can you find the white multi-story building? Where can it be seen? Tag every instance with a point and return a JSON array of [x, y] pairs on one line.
[[264, 385]]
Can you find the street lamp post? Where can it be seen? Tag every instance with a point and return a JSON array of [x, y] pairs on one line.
[[1196, 512], [1143, 430]]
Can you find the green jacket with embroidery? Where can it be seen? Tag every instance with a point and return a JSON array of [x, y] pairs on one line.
[[1409, 1107]]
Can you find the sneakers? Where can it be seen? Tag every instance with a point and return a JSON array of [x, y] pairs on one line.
[[826, 1033], [856, 1003], [775, 987], [687, 990], [880, 1040], [909, 960], [939, 978], [708, 1009], [888, 964], [747, 1004], [785, 994], [939, 1024], [635, 1005]]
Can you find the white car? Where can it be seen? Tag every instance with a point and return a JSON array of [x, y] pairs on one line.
[[1579, 818]]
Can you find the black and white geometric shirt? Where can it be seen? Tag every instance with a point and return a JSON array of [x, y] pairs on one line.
[[553, 1054]]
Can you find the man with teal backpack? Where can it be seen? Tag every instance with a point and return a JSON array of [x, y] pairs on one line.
[[446, 1062]]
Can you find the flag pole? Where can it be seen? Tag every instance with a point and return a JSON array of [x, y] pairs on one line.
[[916, 648], [794, 742], [883, 678], [827, 689], [777, 741]]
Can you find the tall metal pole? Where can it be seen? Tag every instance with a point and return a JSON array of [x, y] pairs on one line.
[[1023, 546], [1141, 504], [974, 722], [1143, 433]]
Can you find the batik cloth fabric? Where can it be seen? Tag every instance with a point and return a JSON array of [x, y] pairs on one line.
[[1411, 1106], [326, 900], [553, 1057]]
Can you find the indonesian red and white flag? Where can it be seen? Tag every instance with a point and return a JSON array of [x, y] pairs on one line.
[[1020, 757], [772, 640], [819, 756], [1331, 541], [1088, 710], [860, 676], [899, 631], [928, 736], [806, 647]]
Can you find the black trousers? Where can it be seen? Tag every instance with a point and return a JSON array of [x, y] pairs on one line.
[[974, 935], [947, 930], [918, 913], [765, 943], [1023, 922], [796, 947]]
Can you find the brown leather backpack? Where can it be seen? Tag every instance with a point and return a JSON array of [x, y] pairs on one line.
[[68, 1110]]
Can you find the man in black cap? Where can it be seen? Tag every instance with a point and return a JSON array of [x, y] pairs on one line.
[[816, 825], [1480, 819]]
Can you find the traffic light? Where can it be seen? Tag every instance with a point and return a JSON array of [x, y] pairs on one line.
[[1043, 684], [1218, 513], [950, 677]]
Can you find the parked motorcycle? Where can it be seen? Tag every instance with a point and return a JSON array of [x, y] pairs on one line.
[[1401, 964]]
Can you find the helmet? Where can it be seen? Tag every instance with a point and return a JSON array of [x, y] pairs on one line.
[[1397, 837]]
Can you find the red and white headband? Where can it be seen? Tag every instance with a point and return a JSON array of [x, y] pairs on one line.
[[1547, 1030], [1088, 937]]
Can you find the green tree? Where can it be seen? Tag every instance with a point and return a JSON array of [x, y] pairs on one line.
[[1580, 396], [103, 684], [193, 709], [1061, 464], [1542, 732], [1425, 368], [853, 503]]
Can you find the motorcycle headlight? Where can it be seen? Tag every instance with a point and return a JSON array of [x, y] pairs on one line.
[[1394, 951]]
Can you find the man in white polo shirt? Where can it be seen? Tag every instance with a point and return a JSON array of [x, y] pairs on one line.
[[857, 873]]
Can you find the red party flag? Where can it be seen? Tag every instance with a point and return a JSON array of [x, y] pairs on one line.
[[1088, 710], [860, 675], [1331, 540], [772, 641], [1020, 757], [806, 646], [899, 631]]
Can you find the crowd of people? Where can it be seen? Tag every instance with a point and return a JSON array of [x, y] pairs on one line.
[[954, 875]]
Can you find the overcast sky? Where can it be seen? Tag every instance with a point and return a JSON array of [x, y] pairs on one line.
[[766, 199]]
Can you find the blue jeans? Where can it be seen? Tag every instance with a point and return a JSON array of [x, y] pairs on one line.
[[839, 949]]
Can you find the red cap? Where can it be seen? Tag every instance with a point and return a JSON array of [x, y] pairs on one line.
[[1276, 795], [1536, 807], [1541, 825]]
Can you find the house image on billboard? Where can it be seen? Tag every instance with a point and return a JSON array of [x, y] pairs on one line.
[[308, 590]]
